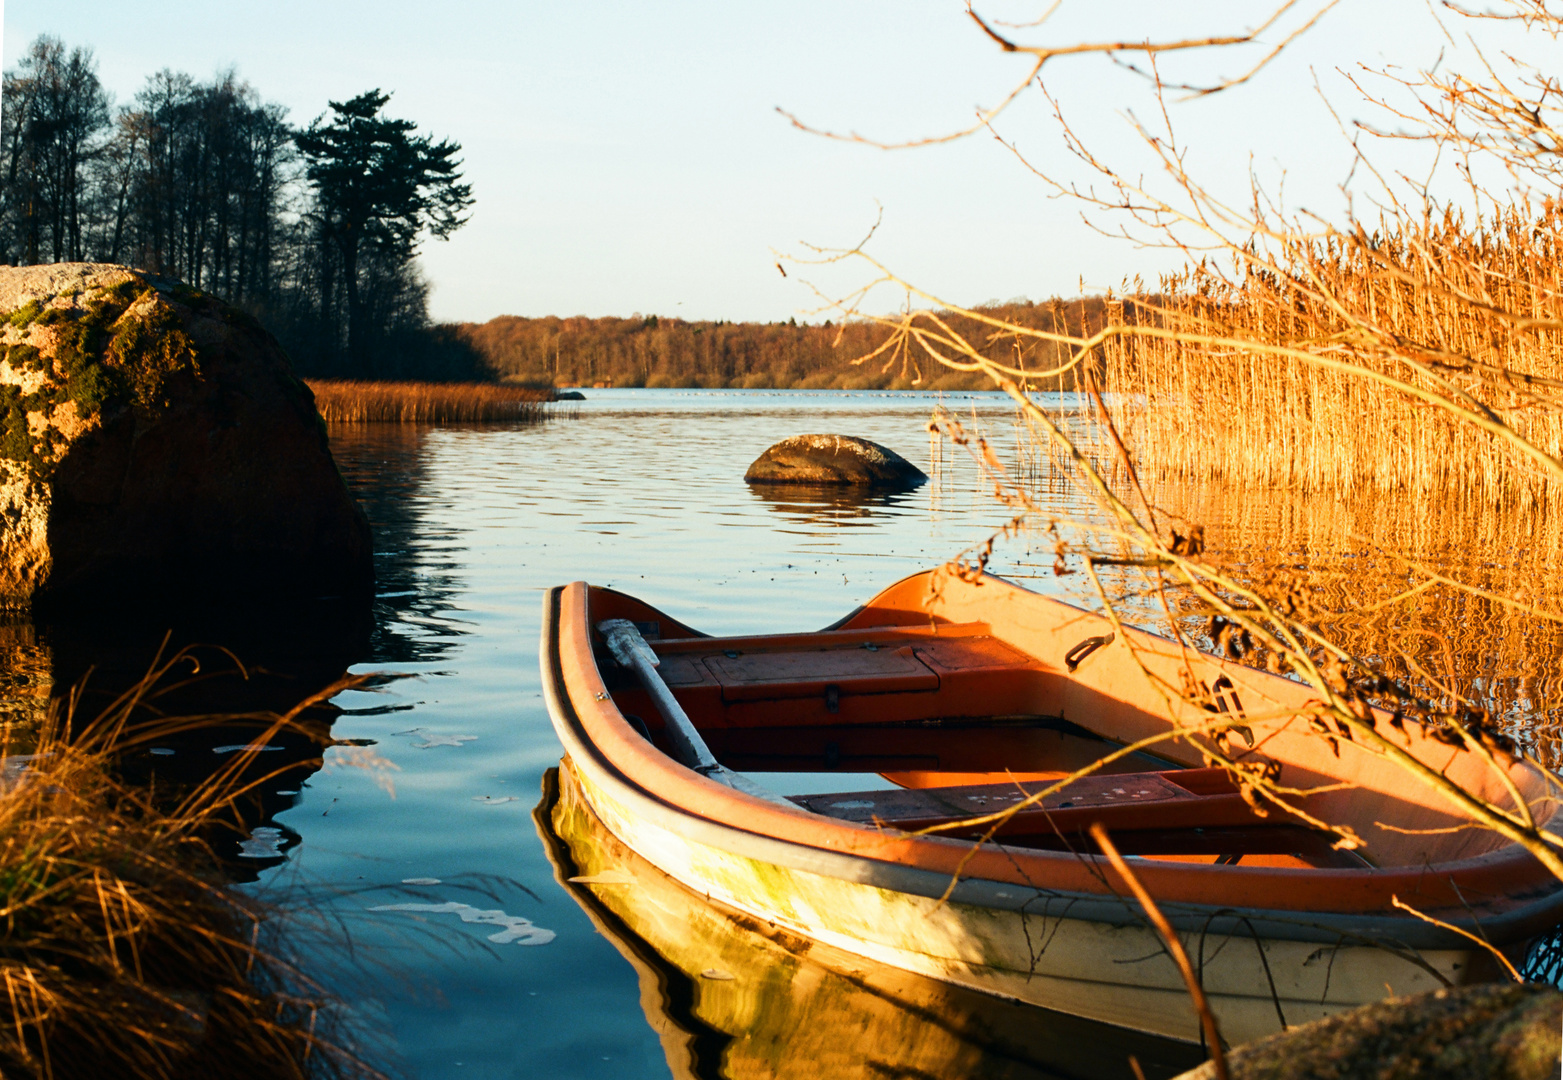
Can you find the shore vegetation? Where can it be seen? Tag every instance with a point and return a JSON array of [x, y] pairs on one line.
[[125, 952], [1315, 369], [1413, 351], [360, 402]]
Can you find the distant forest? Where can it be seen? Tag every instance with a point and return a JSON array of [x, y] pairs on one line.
[[654, 351], [209, 183]]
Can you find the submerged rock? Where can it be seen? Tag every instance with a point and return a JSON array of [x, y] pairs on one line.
[[154, 441], [1496, 1031], [833, 459]]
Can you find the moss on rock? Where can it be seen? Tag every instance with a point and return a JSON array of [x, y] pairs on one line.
[[154, 440], [23, 316], [100, 348]]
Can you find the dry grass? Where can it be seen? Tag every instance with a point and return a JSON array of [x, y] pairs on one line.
[[1468, 311], [124, 953], [353, 402], [1296, 358]]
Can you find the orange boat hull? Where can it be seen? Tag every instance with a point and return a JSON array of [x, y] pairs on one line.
[[935, 680]]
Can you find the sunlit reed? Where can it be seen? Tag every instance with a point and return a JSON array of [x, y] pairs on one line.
[[1463, 309]]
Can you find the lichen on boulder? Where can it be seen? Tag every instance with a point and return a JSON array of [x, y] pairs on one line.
[[154, 440], [834, 459]]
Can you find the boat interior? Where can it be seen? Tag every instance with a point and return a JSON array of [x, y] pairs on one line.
[[946, 714]]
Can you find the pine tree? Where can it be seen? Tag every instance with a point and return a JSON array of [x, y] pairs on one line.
[[379, 187]]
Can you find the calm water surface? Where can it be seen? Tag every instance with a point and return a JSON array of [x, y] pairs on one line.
[[468, 957], [644, 491]]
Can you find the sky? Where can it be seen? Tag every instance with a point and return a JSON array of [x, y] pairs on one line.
[[627, 157]]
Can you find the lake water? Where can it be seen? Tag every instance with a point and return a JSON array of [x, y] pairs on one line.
[[468, 958], [641, 490]]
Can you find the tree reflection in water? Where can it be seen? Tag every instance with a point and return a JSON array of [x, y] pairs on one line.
[[416, 564]]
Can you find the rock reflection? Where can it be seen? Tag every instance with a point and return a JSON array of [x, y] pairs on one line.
[[248, 659], [26, 679], [730, 996], [244, 664], [836, 505]]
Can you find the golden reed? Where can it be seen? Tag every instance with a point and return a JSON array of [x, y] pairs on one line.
[[1457, 309], [354, 402]]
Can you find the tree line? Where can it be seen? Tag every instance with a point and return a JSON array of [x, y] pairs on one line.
[[312, 230], [315, 231], [653, 351]]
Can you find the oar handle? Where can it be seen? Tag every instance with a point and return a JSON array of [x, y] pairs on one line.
[[631, 651]]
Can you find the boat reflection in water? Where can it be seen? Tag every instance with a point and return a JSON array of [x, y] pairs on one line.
[[732, 997]]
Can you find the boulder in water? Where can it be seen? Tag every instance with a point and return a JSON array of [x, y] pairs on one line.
[[154, 441], [834, 459], [1489, 1031]]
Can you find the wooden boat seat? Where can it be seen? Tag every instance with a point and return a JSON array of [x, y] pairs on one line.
[[874, 675], [757, 676], [1191, 812]]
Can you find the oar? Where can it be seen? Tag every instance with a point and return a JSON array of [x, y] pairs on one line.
[[631, 650]]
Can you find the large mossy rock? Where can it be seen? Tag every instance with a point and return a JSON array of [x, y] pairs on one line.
[[834, 459], [1497, 1031], [153, 441]]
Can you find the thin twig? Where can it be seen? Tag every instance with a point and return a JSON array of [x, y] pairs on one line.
[[1174, 946]]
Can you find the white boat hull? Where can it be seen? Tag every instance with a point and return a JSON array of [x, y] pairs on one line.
[[1119, 974]]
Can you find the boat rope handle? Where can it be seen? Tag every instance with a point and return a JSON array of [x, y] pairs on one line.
[[1074, 656]]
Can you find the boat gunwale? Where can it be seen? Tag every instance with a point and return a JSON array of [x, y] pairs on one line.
[[1111, 908]]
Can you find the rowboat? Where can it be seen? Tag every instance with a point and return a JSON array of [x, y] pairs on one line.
[[947, 697]]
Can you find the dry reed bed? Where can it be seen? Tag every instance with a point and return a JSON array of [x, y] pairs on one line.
[[1351, 568], [124, 952], [354, 402], [1441, 302]]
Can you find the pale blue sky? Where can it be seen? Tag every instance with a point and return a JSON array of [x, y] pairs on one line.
[[626, 156]]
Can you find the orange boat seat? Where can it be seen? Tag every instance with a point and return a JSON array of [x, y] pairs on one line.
[[1188, 812], [882, 675]]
